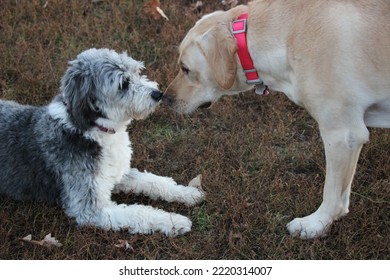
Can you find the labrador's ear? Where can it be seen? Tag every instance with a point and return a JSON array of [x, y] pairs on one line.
[[78, 90], [219, 47]]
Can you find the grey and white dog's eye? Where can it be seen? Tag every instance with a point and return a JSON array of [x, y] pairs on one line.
[[125, 84]]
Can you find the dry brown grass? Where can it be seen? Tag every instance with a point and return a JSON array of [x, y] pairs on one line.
[[261, 158]]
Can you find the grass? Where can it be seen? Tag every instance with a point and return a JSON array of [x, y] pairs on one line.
[[261, 158]]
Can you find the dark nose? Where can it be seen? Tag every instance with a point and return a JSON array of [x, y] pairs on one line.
[[167, 100], [157, 95]]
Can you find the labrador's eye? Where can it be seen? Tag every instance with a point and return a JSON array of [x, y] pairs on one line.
[[125, 84], [184, 69]]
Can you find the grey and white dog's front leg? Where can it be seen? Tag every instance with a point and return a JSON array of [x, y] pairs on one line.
[[158, 187]]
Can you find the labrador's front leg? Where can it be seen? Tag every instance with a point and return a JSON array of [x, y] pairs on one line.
[[342, 149]]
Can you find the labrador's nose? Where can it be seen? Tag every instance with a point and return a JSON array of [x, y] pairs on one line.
[[156, 95], [168, 100]]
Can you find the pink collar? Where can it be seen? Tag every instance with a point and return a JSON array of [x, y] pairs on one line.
[[239, 28], [105, 129], [100, 127]]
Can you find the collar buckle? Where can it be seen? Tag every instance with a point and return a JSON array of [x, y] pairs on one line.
[[236, 25], [254, 78]]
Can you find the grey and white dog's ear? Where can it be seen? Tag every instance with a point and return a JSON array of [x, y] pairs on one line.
[[78, 90]]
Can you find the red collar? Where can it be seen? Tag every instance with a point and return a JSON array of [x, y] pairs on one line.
[[239, 27], [100, 127], [105, 129]]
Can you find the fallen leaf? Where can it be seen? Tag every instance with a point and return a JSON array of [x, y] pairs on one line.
[[230, 3], [161, 12], [124, 244], [196, 182], [47, 242], [27, 238], [198, 6], [153, 9]]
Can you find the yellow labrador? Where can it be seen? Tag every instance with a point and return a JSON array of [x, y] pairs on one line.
[[331, 57]]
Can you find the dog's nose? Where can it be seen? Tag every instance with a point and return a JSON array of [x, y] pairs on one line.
[[167, 100], [157, 95]]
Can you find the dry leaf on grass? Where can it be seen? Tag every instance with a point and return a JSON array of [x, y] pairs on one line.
[[196, 182], [230, 3], [153, 9], [124, 244], [47, 242], [198, 6]]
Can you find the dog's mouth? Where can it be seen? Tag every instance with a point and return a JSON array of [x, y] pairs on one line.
[[205, 105]]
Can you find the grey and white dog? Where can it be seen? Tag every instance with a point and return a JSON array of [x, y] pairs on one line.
[[76, 150]]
